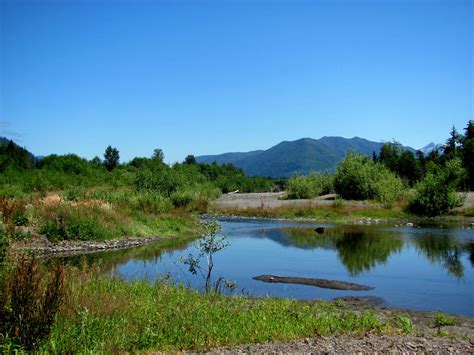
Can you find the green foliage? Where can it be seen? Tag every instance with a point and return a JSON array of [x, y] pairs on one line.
[[404, 323], [436, 193], [181, 198], [468, 154], [104, 313], [190, 160], [300, 187], [359, 178], [14, 157], [158, 179], [158, 155], [77, 223], [111, 158], [442, 320], [67, 164], [20, 219]]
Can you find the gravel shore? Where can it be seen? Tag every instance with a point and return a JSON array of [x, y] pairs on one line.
[[367, 344]]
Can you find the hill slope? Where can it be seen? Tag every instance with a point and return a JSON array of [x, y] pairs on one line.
[[301, 156]]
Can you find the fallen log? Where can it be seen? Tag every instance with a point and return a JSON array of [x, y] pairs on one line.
[[323, 283]]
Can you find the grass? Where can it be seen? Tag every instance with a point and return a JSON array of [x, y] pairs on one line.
[[109, 314]]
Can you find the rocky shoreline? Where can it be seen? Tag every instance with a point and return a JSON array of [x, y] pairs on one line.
[[42, 247], [366, 344]]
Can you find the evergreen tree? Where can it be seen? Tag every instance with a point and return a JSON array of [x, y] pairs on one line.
[[190, 160], [111, 158], [408, 167], [451, 148], [158, 155], [468, 153]]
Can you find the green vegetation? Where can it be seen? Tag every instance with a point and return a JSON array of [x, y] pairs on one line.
[[404, 323], [359, 178], [426, 185], [102, 313], [309, 186], [70, 198], [436, 193], [443, 320]]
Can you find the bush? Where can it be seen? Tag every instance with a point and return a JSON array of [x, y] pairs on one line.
[[182, 198], [73, 225], [309, 186], [73, 193], [436, 193], [359, 178], [161, 181]]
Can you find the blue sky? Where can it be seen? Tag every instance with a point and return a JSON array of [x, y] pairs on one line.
[[207, 77]]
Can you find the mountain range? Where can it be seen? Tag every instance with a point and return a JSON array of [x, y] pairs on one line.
[[298, 157]]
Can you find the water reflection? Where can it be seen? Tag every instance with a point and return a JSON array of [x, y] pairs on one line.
[[110, 260], [443, 249], [359, 248]]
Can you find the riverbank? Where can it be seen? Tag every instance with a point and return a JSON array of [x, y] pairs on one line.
[[328, 209], [367, 344], [105, 313]]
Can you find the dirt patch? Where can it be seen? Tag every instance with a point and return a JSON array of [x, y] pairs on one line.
[[276, 200]]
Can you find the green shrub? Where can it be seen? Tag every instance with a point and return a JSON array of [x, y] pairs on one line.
[[182, 198], [71, 225], [20, 219], [160, 181], [359, 178], [388, 188], [310, 186], [443, 320], [436, 193]]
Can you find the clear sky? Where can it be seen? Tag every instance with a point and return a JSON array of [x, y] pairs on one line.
[[207, 77]]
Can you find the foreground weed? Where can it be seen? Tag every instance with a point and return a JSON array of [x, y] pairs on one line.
[[29, 300], [404, 323]]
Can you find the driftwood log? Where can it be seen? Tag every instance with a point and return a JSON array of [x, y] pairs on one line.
[[323, 283]]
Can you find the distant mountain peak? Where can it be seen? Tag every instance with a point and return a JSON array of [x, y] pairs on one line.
[[299, 156], [427, 149]]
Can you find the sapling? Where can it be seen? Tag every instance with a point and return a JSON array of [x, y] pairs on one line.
[[209, 244]]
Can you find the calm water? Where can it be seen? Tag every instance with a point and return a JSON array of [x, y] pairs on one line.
[[429, 268]]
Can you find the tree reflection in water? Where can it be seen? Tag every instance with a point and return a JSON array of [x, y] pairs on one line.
[[359, 248], [443, 249]]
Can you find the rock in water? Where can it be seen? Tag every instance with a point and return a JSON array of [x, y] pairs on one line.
[[323, 283]]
